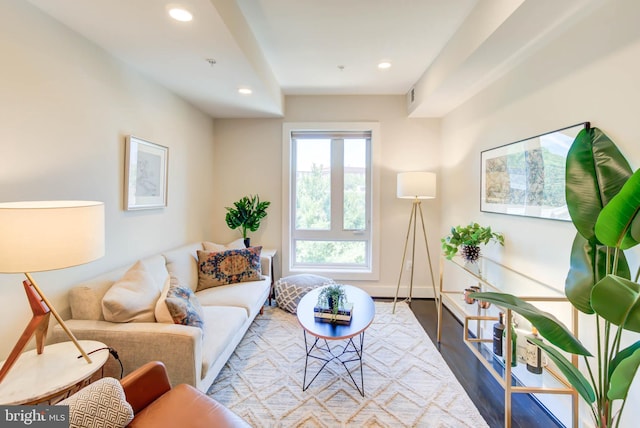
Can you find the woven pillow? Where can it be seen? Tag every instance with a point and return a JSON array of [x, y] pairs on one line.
[[101, 404], [228, 267], [290, 289], [184, 306]]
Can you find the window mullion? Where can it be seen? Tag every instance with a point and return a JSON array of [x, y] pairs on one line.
[[337, 186]]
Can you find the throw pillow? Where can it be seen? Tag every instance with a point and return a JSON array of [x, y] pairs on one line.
[[161, 311], [238, 244], [228, 267], [100, 404], [290, 289], [132, 298], [184, 306]]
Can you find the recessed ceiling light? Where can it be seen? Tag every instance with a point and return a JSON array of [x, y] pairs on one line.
[[245, 91], [384, 65], [180, 14]]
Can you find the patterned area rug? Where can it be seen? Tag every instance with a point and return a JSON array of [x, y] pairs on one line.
[[406, 381]]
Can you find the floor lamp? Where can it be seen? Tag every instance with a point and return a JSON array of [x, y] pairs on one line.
[[416, 186], [42, 236]]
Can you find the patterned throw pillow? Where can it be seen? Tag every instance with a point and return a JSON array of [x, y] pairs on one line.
[[101, 404], [290, 289], [184, 306], [228, 267]]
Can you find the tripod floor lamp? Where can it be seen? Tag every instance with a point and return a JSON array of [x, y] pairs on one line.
[[41, 236], [416, 186]]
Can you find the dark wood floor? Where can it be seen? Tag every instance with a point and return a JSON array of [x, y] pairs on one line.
[[483, 389]]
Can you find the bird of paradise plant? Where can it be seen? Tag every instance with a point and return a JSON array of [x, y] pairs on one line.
[[603, 197]]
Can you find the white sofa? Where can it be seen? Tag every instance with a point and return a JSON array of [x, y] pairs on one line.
[[192, 355]]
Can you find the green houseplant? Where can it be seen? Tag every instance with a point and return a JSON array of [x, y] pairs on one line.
[[246, 214], [332, 296], [470, 238], [603, 197]]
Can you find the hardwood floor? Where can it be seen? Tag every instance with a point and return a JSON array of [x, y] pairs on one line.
[[483, 389]]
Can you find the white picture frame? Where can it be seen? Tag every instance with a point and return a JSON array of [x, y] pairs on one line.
[[146, 165]]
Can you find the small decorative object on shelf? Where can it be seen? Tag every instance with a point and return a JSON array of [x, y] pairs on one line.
[[534, 355], [332, 305], [470, 238], [498, 332], [514, 344]]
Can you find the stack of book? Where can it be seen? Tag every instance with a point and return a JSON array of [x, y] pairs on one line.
[[326, 314]]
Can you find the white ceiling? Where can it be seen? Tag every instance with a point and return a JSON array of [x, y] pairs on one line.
[[445, 50]]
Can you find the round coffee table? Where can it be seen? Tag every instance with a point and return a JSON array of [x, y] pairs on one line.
[[318, 347]]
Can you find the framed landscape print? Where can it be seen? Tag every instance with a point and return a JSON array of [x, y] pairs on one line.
[[527, 178], [145, 184]]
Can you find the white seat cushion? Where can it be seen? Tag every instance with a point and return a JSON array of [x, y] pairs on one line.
[[221, 324]]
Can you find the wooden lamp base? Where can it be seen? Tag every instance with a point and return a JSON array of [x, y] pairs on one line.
[[38, 326]]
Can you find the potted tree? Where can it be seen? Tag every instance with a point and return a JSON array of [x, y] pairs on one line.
[[603, 197], [470, 238], [246, 214]]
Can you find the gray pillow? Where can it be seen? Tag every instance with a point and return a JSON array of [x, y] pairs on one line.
[[100, 404], [290, 289]]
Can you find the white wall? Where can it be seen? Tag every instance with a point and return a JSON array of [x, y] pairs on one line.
[[66, 106], [589, 74], [249, 159]]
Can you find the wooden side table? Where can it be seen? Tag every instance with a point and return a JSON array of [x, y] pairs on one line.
[[53, 375], [271, 254]]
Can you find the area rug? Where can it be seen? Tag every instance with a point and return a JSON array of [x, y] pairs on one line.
[[406, 381]]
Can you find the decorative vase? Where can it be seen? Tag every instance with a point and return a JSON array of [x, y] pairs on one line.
[[330, 302], [247, 242], [471, 253]]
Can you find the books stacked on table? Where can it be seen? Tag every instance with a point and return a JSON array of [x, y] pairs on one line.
[[343, 316]]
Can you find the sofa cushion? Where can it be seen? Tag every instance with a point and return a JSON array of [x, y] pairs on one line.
[[182, 263], [290, 289], [238, 244], [133, 297], [161, 311], [247, 295], [228, 267], [184, 306], [222, 324], [101, 404]]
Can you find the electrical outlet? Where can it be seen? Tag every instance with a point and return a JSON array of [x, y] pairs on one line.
[[408, 265]]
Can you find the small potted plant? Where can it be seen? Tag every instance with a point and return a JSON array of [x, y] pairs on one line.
[[247, 214], [470, 238], [332, 297]]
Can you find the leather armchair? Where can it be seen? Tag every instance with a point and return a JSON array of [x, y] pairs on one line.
[[155, 404]]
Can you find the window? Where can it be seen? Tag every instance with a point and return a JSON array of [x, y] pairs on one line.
[[330, 201]]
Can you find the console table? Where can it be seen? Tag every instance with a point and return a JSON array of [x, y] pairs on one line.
[[490, 275]]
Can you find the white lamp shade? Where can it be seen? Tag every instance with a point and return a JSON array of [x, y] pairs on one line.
[[416, 185], [47, 235]]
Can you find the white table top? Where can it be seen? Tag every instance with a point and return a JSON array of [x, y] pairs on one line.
[[36, 376]]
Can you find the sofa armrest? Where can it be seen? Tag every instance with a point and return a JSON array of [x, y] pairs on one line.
[[179, 347], [145, 384]]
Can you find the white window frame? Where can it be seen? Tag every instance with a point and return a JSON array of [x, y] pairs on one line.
[[339, 272]]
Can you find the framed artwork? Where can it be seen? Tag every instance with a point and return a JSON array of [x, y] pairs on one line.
[[527, 178], [145, 184]]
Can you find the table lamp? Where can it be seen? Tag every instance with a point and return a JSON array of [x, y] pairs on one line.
[[41, 236], [416, 186]]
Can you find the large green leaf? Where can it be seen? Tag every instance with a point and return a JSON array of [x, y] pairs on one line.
[[619, 219], [622, 355], [573, 375], [617, 300], [548, 325], [588, 266], [622, 377], [596, 171]]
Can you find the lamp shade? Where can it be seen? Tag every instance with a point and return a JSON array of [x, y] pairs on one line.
[[47, 235], [416, 185]]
